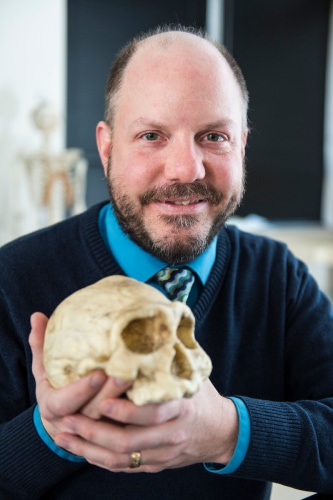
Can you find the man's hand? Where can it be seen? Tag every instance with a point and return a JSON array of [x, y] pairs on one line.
[[88, 419], [169, 435]]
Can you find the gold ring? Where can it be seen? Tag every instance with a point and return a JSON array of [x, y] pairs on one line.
[[135, 459]]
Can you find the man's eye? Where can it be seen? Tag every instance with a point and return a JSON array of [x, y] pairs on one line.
[[151, 136], [214, 137]]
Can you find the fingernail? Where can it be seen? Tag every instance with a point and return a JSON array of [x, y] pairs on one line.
[[121, 383], [97, 379], [32, 321]]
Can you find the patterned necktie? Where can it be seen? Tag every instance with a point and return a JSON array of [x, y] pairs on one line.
[[177, 282]]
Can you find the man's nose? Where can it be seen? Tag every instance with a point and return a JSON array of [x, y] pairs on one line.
[[184, 162]]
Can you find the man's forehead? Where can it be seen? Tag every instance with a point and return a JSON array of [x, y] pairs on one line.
[[175, 43], [187, 70]]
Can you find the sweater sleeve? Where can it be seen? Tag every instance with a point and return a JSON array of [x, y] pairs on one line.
[[37, 271], [25, 461], [291, 444], [292, 439]]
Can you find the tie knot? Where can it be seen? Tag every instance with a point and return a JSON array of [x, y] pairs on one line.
[[177, 282]]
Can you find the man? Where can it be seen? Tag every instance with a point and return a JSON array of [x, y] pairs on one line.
[[172, 147]]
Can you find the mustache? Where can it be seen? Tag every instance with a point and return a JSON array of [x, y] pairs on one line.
[[202, 191]]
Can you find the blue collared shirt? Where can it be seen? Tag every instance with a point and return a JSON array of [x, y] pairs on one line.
[[141, 265]]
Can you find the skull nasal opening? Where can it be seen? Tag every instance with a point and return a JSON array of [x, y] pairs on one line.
[[185, 333], [146, 335], [181, 365]]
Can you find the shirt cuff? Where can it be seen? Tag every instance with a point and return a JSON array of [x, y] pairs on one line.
[[46, 438], [242, 445]]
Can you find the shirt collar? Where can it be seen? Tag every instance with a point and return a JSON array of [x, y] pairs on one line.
[[135, 261]]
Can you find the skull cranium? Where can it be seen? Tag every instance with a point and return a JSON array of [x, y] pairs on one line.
[[132, 332]]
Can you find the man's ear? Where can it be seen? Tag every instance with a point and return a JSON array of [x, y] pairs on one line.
[[103, 139]]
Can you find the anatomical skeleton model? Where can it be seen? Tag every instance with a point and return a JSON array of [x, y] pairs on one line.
[[56, 181]]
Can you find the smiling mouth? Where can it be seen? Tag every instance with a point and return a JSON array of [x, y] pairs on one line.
[[183, 195]]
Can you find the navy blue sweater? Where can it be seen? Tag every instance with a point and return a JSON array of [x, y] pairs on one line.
[[261, 318]]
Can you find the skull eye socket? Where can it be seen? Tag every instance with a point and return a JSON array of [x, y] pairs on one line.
[[185, 333], [146, 335]]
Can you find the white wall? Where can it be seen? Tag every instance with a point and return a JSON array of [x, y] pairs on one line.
[[33, 68]]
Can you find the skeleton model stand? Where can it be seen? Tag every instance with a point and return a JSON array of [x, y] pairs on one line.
[[57, 182]]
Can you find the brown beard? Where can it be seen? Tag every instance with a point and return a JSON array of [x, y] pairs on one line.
[[171, 251]]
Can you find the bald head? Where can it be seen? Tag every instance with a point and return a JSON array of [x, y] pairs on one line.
[[184, 48]]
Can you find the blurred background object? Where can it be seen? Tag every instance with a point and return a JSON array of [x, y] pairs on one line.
[[53, 183], [33, 47]]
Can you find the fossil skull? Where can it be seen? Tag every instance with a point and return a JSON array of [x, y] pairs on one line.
[[132, 332]]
